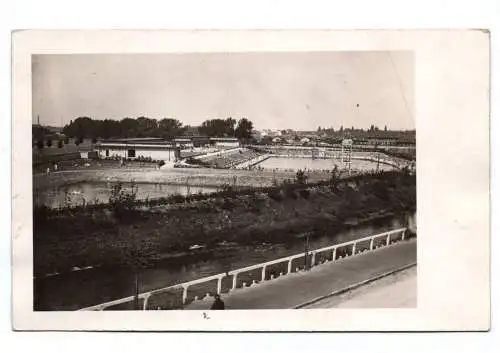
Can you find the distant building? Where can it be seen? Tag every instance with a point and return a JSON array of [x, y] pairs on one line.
[[132, 148], [224, 142], [347, 142], [183, 142]]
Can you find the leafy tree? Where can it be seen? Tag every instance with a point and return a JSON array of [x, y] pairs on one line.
[[169, 128], [128, 127], [244, 129], [82, 126], [146, 127], [218, 127]]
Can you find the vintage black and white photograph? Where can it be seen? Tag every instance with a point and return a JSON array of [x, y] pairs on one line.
[[224, 181], [250, 180]]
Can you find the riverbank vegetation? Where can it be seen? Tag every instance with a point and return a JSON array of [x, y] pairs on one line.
[[150, 229]]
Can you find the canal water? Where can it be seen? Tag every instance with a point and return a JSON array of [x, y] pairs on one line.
[[89, 192], [79, 289]]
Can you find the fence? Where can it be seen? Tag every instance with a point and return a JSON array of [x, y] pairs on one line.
[[178, 295]]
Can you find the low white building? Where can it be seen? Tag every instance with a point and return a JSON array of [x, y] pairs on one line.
[[224, 142], [183, 142], [154, 148]]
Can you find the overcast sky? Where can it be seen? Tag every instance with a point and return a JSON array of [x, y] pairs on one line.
[[274, 90]]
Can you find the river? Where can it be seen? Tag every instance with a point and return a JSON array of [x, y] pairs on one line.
[[78, 289]]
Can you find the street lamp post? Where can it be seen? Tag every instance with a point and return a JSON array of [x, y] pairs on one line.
[[306, 251]]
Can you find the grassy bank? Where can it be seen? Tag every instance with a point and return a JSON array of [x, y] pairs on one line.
[[273, 214]]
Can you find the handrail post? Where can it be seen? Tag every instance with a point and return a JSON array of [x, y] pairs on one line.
[[219, 285], [371, 243], [263, 278], [184, 294], [235, 278], [334, 254], [388, 240], [313, 259], [403, 235], [145, 303], [354, 249], [289, 269]]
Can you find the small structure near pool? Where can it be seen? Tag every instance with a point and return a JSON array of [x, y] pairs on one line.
[[133, 148]]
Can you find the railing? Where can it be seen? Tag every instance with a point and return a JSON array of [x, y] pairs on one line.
[[310, 258]]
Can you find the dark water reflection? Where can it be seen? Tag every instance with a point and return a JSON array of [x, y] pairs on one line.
[[85, 288], [90, 192]]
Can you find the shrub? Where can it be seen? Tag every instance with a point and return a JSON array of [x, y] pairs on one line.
[[304, 193], [121, 201], [49, 143], [275, 194], [59, 144], [39, 144], [301, 177], [288, 189]]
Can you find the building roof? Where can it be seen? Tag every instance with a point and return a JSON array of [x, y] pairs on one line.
[[137, 143], [231, 139], [136, 140]]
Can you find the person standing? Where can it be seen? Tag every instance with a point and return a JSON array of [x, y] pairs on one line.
[[218, 303]]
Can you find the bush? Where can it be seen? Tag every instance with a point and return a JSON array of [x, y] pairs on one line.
[[288, 190], [301, 177], [59, 144], [275, 194], [49, 143], [304, 193], [39, 144], [122, 202]]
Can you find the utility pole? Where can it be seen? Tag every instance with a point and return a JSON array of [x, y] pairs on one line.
[[136, 289], [306, 251]]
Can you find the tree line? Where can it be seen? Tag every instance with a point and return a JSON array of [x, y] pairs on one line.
[[167, 128]]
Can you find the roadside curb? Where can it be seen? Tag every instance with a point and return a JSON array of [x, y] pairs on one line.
[[354, 286]]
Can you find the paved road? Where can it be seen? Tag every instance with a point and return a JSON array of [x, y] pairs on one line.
[[394, 291], [298, 288]]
